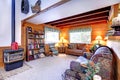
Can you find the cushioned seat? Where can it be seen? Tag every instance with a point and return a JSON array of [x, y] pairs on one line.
[[53, 50], [104, 56]]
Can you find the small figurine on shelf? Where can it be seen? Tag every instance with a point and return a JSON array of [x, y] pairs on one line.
[[29, 29]]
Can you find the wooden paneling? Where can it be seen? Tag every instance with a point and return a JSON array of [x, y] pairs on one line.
[[97, 29], [113, 13], [1, 55], [118, 70], [34, 28]]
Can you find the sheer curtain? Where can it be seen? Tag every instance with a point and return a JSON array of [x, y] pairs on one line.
[[51, 35], [80, 35]]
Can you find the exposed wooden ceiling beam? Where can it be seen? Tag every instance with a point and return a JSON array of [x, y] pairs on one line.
[[83, 21], [51, 7], [97, 13], [88, 23], [85, 18]]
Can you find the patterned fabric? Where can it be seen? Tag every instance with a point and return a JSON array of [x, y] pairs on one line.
[[104, 57], [96, 57], [68, 77], [75, 66], [105, 67], [102, 50], [71, 75]]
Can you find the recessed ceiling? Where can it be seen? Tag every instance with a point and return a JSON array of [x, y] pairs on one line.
[[71, 8]]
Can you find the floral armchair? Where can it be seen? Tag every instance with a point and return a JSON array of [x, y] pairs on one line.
[[104, 56]]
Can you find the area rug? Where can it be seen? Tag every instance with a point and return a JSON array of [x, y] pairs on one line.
[[6, 74]]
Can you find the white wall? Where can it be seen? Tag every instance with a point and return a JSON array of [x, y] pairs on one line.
[[115, 45], [20, 16], [73, 7], [5, 23]]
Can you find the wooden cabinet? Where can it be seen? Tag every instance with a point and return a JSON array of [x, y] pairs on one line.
[[35, 44]]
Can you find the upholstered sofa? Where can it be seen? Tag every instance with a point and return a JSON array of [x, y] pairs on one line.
[[104, 56], [76, 49]]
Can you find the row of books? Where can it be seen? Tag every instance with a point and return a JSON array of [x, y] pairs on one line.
[[35, 46], [32, 52], [35, 36], [31, 41], [36, 56], [29, 29]]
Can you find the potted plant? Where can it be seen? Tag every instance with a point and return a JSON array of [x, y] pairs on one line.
[[92, 70]]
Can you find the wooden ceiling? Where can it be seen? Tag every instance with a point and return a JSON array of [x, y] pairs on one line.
[[100, 15]]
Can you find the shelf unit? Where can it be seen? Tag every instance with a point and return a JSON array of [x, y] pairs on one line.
[[34, 44]]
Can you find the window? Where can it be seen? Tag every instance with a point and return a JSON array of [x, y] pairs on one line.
[[80, 35], [51, 35]]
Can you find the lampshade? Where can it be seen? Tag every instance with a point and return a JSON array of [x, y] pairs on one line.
[[98, 38]]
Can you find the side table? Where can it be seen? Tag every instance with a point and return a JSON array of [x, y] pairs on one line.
[[61, 49]]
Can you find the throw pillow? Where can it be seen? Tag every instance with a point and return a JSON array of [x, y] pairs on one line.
[[70, 46]]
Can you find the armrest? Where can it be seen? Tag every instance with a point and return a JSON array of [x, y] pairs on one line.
[[76, 66]]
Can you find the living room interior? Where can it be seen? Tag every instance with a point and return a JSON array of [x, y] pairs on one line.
[[46, 40]]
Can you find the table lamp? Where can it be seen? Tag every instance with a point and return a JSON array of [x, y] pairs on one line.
[[63, 41], [98, 38]]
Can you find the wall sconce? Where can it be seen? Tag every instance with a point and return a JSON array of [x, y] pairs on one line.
[[98, 38]]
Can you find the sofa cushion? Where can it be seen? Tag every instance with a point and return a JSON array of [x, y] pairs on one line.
[[71, 46], [81, 46], [74, 51]]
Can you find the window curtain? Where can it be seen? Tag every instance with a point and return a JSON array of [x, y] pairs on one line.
[[51, 35], [80, 35]]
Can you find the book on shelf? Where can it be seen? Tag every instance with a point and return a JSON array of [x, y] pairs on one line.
[[30, 35], [31, 57], [31, 52], [30, 46], [41, 50]]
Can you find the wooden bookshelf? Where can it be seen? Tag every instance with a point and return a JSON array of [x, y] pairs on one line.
[[34, 44]]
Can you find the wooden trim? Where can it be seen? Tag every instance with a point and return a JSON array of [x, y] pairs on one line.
[[51, 7], [114, 38]]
